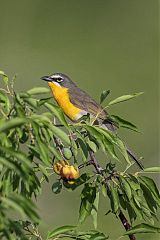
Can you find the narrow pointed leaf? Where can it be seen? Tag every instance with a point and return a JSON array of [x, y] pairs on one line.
[[59, 133], [104, 94], [123, 150], [60, 230], [124, 98], [152, 186], [13, 123], [38, 90], [94, 211], [152, 170], [114, 199], [124, 123], [57, 112], [143, 228], [126, 187]]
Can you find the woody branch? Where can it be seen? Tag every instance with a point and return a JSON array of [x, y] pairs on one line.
[[121, 215]]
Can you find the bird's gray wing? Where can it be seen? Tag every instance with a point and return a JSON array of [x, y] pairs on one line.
[[82, 100]]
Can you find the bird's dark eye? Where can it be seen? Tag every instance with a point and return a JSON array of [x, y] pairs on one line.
[[59, 79]]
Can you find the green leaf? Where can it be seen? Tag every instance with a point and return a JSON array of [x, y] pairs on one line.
[[41, 119], [38, 90], [88, 235], [94, 211], [44, 171], [44, 100], [104, 191], [149, 198], [122, 149], [133, 182], [5, 102], [12, 204], [45, 134], [59, 133], [137, 210], [109, 148], [88, 196], [152, 170], [55, 152], [92, 145], [83, 146], [129, 207], [104, 94], [92, 130], [137, 199], [143, 228], [32, 102], [124, 98], [126, 187], [142, 204], [106, 137], [21, 157], [114, 199], [23, 205], [98, 236], [5, 77], [152, 187], [57, 187], [105, 133], [67, 153], [60, 230], [14, 166], [124, 123], [13, 123], [42, 147], [43, 151], [57, 112], [27, 205], [2, 73]]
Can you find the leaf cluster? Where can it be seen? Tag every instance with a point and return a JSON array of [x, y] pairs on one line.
[[34, 135]]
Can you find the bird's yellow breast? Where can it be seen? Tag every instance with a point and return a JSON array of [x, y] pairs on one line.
[[61, 96]]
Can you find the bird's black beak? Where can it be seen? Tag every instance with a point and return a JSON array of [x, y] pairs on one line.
[[47, 78]]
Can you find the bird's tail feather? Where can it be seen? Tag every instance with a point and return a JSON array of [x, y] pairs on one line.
[[109, 125], [132, 155]]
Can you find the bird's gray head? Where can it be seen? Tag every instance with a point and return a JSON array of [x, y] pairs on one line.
[[60, 79]]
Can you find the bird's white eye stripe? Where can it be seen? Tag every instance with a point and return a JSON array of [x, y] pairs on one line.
[[56, 76]]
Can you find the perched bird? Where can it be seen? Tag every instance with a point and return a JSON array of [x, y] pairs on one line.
[[76, 103]]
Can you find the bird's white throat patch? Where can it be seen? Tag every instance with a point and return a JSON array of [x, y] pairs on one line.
[[57, 84]]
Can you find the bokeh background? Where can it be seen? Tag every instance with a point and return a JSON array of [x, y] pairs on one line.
[[101, 44]]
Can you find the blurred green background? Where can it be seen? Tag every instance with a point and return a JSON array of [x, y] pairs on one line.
[[101, 44]]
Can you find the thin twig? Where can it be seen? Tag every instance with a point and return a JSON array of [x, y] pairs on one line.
[[85, 164], [95, 163]]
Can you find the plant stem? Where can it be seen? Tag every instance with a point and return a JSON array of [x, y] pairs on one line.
[[126, 225], [121, 216], [95, 163]]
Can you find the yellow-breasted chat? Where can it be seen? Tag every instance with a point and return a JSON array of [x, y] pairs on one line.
[[76, 103]]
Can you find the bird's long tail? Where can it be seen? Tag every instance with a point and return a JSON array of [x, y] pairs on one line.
[[110, 126], [132, 155]]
